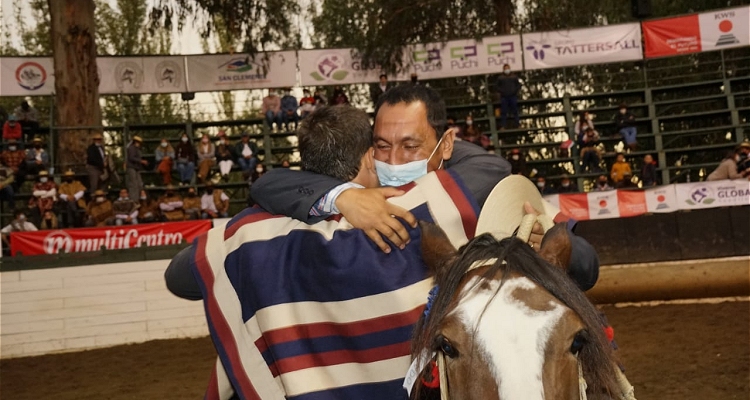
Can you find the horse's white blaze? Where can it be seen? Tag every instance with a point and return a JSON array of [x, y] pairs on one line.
[[510, 334]]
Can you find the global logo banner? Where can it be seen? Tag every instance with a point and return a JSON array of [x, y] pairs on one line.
[[713, 194], [599, 45], [338, 66], [465, 57], [31, 76]]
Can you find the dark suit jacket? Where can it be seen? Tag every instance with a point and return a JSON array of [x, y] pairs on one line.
[[376, 91], [94, 157]]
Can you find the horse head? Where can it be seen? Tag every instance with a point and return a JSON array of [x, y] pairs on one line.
[[509, 324]]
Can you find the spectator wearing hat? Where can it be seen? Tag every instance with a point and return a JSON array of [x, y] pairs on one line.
[[566, 185], [224, 155], [134, 164], [206, 157], [186, 158], [171, 205], [192, 204], [12, 129], [71, 199], [148, 209], [6, 186], [247, 154], [164, 156], [619, 169], [99, 211], [14, 158], [37, 159], [28, 117], [125, 209], [214, 203], [289, 109], [744, 152], [517, 162], [43, 196], [97, 163]]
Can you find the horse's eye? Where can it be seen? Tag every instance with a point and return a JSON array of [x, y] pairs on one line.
[[447, 348], [578, 341]]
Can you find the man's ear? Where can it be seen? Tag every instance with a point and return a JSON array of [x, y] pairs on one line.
[[446, 145], [368, 160], [438, 252]]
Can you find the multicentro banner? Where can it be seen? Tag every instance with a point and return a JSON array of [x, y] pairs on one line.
[[661, 199], [111, 237]]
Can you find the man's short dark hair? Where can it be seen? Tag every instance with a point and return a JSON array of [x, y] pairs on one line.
[[383, 76], [332, 141], [436, 113]]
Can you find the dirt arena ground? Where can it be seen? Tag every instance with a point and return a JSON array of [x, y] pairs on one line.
[[671, 352]]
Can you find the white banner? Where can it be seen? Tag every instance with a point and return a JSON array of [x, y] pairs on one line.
[[208, 73], [661, 199], [141, 74], [712, 194], [603, 205], [26, 76], [466, 57], [724, 29], [599, 45], [338, 66]]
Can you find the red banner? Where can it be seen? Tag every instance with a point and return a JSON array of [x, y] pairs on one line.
[[672, 36], [115, 237]]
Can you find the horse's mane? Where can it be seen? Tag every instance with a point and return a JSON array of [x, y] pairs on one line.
[[596, 354]]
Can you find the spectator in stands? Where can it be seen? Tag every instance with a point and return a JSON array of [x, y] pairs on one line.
[[744, 151], [43, 196], [6, 186], [306, 103], [49, 221], [247, 155], [214, 203], [627, 181], [450, 122], [15, 158], [584, 121], [320, 100], [541, 184], [19, 224], [602, 184], [508, 85], [224, 155], [148, 209], [134, 164], [99, 211], [588, 142], [12, 129], [727, 169], [37, 159], [97, 163], [472, 134], [289, 107], [339, 96], [566, 185], [164, 156], [625, 122], [206, 157], [260, 169], [125, 209], [171, 205], [619, 168], [191, 204], [648, 171], [71, 200], [517, 162], [285, 164], [414, 78], [28, 117], [186, 158], [271, 109], [377, 89]]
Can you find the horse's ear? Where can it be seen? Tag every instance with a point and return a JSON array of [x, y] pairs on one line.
[[557, 246], [437, 250]]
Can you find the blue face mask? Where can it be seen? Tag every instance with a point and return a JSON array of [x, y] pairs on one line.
[[399, 175]]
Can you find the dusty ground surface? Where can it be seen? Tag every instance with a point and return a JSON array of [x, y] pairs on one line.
[[671, 352]]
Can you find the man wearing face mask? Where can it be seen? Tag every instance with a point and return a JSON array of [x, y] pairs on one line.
[[99, 211], [11, 129], [289, 109], [71, 199], [148, 209], [125, 209], [15, 158], [214, 203], [97, 163], [19, 224], [508, 85], [171, 205], [43, 197], [186, 158], [602, 184], [37, 159], [192, 204], [544, 189], [517, 162]]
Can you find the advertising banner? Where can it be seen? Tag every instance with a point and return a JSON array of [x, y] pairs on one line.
[[141, 74], [672, 36], [338, 67], [26, 76], [217, 72], [725, 29], [575, 206], [603, 205], [692, 196], [661, 199], [599, 45], [465, 57], [114, 237], [631, 203]]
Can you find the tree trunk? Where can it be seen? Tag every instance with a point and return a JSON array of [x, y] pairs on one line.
[[76, 79], [504, 11]]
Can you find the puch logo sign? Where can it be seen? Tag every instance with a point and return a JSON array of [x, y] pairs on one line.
[[501, 53], [427, 60], [464, 57], [330, 67]]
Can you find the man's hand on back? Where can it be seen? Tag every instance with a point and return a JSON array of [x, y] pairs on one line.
[[367, 209]]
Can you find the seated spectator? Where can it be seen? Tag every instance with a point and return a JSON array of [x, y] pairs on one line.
[[12, 129], [450, 122], [627, 181], [214, 203], [728, 168], [99, 212], [49, 221], [247, 155], [285, 164], [289, 109], [260, 169], [6, 187], [517, 162], [648, 171], [37, 159], [224, 155], [625, 122], [339, 96], [171, 206], [602, 184], [566, 185], [148, 209], [192, 204], [19, 224], [28, 116], [99, 164], [588, 142], [71, 200], [306, 104], [43, 197], [206, 152], [271, 109], [125, 209], [541, 184], [15, 158], [186, 158], [320, 100], [164, 156], [472, 134], [584, 121], [619, 168]]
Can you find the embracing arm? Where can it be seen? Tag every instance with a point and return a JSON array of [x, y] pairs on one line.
[[291, 193], [480, 171]]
